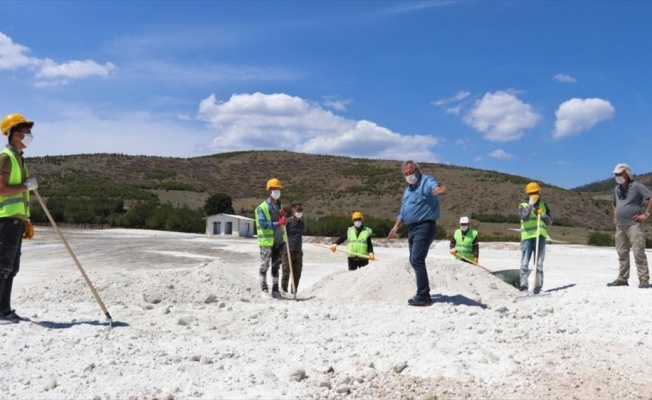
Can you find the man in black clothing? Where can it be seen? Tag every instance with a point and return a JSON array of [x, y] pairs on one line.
[[294, 228], [359, 238]]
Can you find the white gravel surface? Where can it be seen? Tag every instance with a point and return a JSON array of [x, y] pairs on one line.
[[189, 322]]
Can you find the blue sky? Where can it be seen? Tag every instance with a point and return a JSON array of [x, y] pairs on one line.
[[557, 91]]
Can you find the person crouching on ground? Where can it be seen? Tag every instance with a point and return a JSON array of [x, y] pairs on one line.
[[271, 239], [535, 216], [359, 238], [465, 245], [294, 229]]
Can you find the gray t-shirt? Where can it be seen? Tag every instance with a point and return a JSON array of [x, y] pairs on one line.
[[629, 203]]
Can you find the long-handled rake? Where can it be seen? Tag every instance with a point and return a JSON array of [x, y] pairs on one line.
[[72, 254], [348, 252]]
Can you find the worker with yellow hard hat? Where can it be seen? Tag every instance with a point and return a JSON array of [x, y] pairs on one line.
[[15, 184], [270, 219], [359, 247], [535, 217]]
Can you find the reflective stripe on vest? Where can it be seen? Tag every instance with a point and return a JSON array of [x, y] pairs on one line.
[[465, 244], [17, 204], [529, 225], [358, 243], [265, 236]]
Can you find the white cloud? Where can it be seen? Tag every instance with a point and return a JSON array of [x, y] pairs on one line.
[[454, 110], [336, 104], [563, 78], [500, 154], [461, 95], [501, 117], [465, 144], [13, 56], [578, 115], [73, 69], [280, 121]]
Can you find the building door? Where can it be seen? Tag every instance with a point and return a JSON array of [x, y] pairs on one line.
[[216, 227], [229, 228]]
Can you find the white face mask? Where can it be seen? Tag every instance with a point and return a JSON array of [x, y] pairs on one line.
[[464, 228], [620, 180], [412, 179], [357, 223], [298, 214], [27, 139], [276, 194]]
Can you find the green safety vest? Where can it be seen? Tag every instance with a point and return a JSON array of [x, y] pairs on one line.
[[529, 225], [266, 236], [358, 243], [464, 245], [16, 205]]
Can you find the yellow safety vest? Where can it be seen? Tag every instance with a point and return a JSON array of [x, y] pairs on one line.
[[464, 245], [529, 225], [265, 236], [358, 244], [17, 205]]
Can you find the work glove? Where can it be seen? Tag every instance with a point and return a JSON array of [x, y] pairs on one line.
[[539, 211], [28, 232], [333, 247], [282, 221], [453, 252], [282, 212], [475, 260], [533, 199], [31, 183], [371, 256]]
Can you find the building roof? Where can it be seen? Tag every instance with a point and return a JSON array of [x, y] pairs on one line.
[[232, 216]]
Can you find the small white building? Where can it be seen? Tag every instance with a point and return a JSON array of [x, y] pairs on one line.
[[229, 225]]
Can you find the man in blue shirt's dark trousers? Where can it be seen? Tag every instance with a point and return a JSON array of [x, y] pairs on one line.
[[420, 212]]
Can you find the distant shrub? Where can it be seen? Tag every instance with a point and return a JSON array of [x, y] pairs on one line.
[[600, 239]]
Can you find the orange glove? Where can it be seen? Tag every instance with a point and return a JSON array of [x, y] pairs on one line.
[[475, 260], [371, 256], [333, 247], [453, 252], [28, 232], [539, 211], [282, 221]]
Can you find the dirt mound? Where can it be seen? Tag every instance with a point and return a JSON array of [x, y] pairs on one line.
[[206, 283], [450, 281]]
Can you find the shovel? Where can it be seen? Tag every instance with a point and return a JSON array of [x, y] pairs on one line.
[[510, 276]]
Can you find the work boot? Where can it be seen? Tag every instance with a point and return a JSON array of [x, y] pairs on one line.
[[644, 285], [618, 282], [537, 290], [420, 301], [522, 288], [275, 292], [11, 316]]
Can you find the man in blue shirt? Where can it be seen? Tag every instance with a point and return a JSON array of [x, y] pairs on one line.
[[420, 212]]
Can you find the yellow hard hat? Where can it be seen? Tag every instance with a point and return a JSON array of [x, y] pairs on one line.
[[532, 187], [12, 120], [357, 215], [274, 183]]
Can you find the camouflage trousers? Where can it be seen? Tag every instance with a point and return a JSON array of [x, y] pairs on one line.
[[270, 256]]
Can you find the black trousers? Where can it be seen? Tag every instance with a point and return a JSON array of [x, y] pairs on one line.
[[357, 262], [11, 240]]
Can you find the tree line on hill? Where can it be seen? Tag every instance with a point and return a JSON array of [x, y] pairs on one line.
[[147, 212]]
